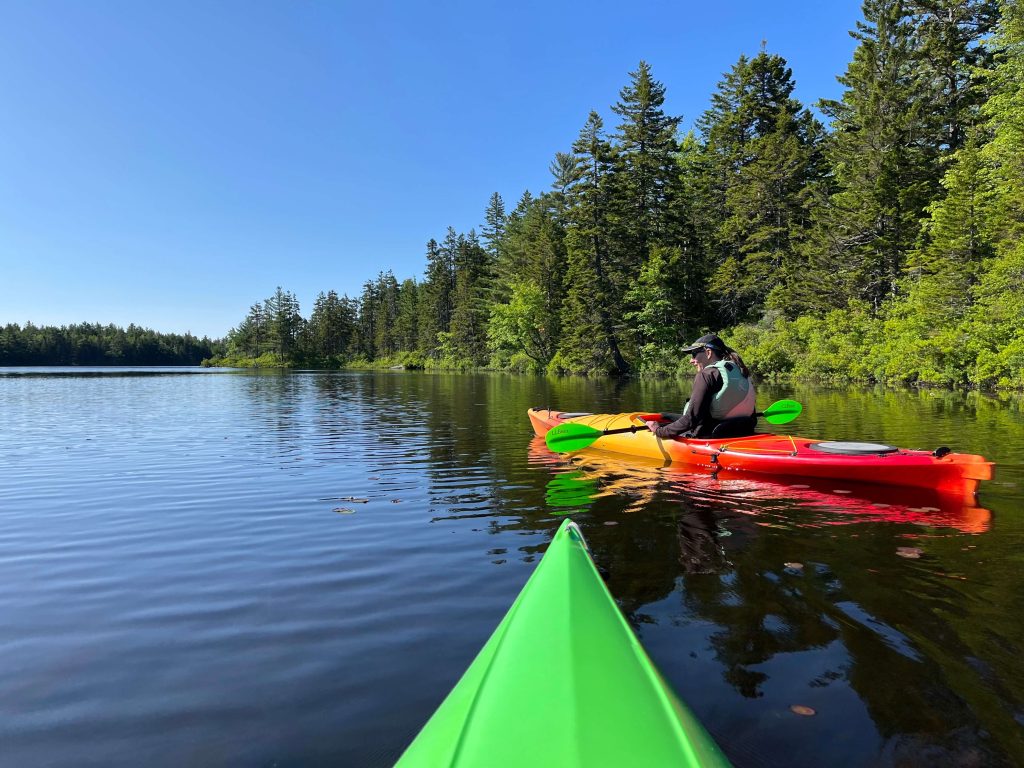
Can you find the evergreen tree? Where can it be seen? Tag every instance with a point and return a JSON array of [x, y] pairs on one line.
[[435, 297], [385, 314], [284, 322], [884, 161], [996, 330], [534, 255], [955, 242], [590, 310], [471, 305], [493, 229], [951, 55], [655, 320], [406, 331], [366, 323], [331, 326], [762, 156], [645, 169], [566, 171]]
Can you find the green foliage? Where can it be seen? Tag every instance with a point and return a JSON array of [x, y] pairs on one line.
[[762, 158], [655, 321], [887, 248], [517, 331], [95, 344]]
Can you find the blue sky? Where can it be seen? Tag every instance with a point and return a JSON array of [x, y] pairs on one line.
[[169, 164]]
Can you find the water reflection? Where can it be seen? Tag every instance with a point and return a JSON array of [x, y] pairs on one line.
[[180, 534]]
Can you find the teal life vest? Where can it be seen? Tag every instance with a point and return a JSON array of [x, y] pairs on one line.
[[735, 398]]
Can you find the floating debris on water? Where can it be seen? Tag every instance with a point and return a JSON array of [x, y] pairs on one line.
[[911, 553], [611, 522], [800, 709], [344, 510]]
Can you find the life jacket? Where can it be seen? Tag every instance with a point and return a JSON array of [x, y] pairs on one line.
[[735, 398]]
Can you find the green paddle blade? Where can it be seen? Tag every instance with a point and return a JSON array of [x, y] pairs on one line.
[[782, 411], [571, 437]]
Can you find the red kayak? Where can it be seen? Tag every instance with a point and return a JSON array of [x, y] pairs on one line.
[[956, 474]]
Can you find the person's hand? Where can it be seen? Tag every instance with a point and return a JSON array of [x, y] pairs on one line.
[[652, 425]]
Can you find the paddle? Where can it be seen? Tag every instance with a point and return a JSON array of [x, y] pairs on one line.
[[574, 437]]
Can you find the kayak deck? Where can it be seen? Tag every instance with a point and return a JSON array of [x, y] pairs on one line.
[[956, 474], [563, 681]]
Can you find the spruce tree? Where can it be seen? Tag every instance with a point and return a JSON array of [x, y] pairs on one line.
[[470, 306], [435, 298], [884, 167], [645, 170], [762, 157], [407, 321], [590, 309]]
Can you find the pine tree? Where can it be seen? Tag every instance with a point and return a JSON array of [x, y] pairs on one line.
[[284, 322], [589, 340], [645, 168], [996, 329], [884, 164], [330, 327], [762, 156], [366, 323], [493, 229], [385, 314], [407, 321], [435, 298], [470, 307], [534, 260], [956, 241], [951, 58]]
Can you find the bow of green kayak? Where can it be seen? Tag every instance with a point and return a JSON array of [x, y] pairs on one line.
[[563, 681]]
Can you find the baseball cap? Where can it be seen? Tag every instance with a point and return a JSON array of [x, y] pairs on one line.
[[707, 340]]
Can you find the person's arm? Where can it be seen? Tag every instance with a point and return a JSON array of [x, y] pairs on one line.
[[699, 410]]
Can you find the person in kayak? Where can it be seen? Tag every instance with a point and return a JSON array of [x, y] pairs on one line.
[[722, 392]]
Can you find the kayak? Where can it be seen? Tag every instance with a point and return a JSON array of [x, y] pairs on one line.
[[577, 483], [563, 681], [941, 470]]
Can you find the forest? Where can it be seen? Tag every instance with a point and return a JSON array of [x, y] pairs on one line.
[[95, 344], [874, 238]]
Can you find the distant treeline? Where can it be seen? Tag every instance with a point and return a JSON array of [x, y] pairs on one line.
[[885, 247], [94, 344]]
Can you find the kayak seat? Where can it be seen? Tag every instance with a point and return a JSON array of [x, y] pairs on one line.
[[738, 426], [852, 449]]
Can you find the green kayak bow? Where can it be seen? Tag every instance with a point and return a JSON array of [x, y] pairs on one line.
[[563, 681]]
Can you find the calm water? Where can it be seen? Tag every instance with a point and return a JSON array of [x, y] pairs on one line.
[[293, 569]]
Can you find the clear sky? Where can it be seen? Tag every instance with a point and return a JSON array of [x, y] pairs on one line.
[[171, 163]]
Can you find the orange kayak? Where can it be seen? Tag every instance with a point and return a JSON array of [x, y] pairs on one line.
[[956, 474]]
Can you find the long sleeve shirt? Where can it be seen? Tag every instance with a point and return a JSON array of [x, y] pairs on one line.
[[697, 418]]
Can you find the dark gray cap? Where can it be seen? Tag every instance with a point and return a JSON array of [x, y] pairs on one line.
[[707, 340]]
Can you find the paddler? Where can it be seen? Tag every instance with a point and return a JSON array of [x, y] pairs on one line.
[[722, 392]]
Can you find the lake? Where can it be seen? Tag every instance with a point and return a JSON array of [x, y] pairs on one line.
[[293, 569]]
